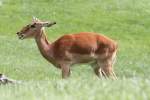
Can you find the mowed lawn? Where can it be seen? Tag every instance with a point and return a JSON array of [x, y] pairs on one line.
[[126, 21]]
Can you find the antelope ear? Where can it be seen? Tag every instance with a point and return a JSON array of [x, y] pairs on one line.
[[34, 19], [48, 24]]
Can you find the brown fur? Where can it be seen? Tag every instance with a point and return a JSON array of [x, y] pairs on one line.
[[76, 48]]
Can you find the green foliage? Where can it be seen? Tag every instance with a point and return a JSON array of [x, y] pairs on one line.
[[126, 21]]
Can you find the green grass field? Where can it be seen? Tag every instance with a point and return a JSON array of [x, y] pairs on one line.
[[126, 21]]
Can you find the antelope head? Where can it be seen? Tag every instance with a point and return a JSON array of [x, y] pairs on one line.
[[33, 29]]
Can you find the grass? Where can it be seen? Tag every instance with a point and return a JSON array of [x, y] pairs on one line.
[[126, 21]]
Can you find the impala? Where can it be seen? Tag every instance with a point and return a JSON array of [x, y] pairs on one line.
[[70, 49]]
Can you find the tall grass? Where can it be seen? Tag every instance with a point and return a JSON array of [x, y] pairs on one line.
[[126, 21]]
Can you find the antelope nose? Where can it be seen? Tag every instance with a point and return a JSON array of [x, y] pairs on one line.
[[17, 33]]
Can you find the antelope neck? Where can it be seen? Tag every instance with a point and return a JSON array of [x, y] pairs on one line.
[[43, 45], [46, 49]]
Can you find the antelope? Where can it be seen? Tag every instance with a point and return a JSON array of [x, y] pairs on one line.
[[70, 49]]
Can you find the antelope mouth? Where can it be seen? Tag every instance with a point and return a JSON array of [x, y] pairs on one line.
[[21, 36]]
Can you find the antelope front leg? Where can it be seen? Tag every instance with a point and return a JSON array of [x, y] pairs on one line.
[[65, 71]]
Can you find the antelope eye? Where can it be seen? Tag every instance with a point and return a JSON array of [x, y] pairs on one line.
[[32, 26]]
